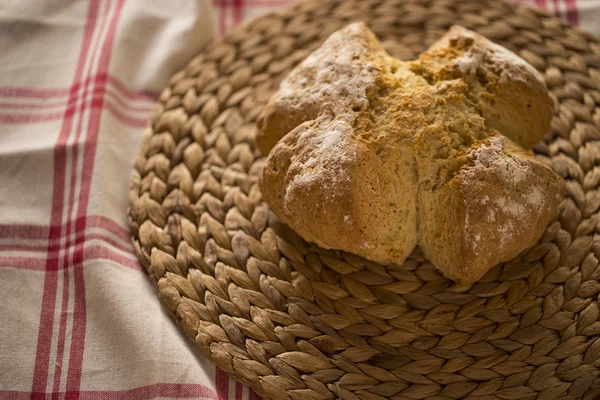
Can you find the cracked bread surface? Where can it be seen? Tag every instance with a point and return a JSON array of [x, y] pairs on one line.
[[373, 156]]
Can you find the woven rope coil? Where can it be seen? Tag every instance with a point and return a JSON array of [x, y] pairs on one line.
[[294, 321]]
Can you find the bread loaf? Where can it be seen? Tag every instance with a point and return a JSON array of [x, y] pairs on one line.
[[374, 156]]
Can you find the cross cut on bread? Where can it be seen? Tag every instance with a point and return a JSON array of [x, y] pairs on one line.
[[374, 156]]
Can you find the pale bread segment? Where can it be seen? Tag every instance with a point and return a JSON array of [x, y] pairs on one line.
[[391, 154], [496, 206], [334, 191]]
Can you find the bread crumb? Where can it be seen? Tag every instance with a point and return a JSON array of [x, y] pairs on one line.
[[468, 63]]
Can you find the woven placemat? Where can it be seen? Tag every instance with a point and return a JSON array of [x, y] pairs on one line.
[[294, 321]]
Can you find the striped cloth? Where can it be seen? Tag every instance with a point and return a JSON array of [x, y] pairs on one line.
[[78, 79]]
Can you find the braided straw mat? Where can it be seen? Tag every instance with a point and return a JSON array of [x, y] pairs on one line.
[[295, 321]]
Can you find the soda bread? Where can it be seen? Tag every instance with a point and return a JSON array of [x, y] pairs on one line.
[[374, 156]]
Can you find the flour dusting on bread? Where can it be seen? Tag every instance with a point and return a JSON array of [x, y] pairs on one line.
[[331, 150], [491, 160], [336, 74], [491, 154]]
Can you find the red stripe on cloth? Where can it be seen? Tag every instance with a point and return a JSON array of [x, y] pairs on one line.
[[541, 4], [42, 359], [100, 221], [90, 144], [102, 80], [45, 105], [24, 119], [64, 92], [572, 12], [11, 91], [253, 396], [169, 390], [129, 92], [44, 248], [63, 103], [26, 231], [238, 11], [92, 253], [130, 107], [268, 3], [33, 118], [222, 384], [239, 391], [24, 247], [30, 118], [222, 7], [104, 253], [13, 395], [128, 120], [556, 8], [28, 263], [84, 104]]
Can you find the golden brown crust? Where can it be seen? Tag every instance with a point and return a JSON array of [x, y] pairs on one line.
[[307, 160], [372, 155]]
